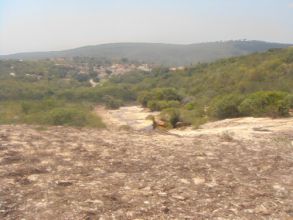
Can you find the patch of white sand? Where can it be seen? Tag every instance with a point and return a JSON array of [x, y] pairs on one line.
[[133, 116], [238, 127]]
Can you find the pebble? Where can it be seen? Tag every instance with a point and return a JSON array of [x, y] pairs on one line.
[[198, 180], [185, 181], [262, 210], [178, 197], [163, 194]]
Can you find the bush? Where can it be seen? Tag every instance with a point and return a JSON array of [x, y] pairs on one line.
[[48, 112], [158, 94], [112, 103], [144, 98], [226, 106], [160, 105], [97, 94], [25, 107], [191, 117], [28, 107], [261, 104], [189, 106], [289, 101], [66, 116], [171, 116]]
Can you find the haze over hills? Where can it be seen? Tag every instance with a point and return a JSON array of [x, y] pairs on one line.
[[158, 53], [146, 109]]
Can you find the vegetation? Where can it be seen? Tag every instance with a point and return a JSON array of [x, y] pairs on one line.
[[48, 112], [259, 104], [171, 116], [257, 85], [226, 106], [159, 99], [111, 102], [271, 104]]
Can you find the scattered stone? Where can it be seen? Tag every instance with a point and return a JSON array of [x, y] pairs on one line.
[[178, 197], [96, 201], [63, 183], [198, 180], [69, 173], [163, 194], [261, 209], [165, 209], [32, 177], [185, 181]]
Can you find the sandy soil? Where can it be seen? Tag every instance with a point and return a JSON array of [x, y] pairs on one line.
[[243, 128], [134, 117]]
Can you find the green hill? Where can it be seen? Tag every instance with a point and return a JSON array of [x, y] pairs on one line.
[[160, 54]]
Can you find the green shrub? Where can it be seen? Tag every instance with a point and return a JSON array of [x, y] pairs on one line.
[[143, 98], [48, 112], [190, 116], [10, 112], [66, 116], [112, 103], [189, 106], [226, 106], [289, 101], [158, 94], [155, 105], [98, 93], [260, 104], [171, 116], [25, 107], [43, 105]]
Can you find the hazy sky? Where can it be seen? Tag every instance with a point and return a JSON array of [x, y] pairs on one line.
[[38, 25]]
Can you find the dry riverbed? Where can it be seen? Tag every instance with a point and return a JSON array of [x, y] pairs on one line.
[[68, 173]]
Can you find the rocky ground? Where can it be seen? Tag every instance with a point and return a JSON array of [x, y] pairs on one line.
[[242, 128], [67, 173]]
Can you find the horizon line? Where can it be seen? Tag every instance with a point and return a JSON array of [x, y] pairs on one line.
[[144, 42]]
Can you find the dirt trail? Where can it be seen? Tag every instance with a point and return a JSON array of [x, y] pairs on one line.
[[134, 117]]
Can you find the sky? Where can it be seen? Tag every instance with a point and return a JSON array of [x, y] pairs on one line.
[[46, 25]]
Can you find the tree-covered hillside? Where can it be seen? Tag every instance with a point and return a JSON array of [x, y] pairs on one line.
[[260, 84], [158, 54], [221, 89], [260, 71]]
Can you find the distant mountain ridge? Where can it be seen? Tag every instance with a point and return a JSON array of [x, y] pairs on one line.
[[157, 53]]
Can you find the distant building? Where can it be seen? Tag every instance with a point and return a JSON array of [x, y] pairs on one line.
[[177, 68], [181, 68], [144, 67]]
